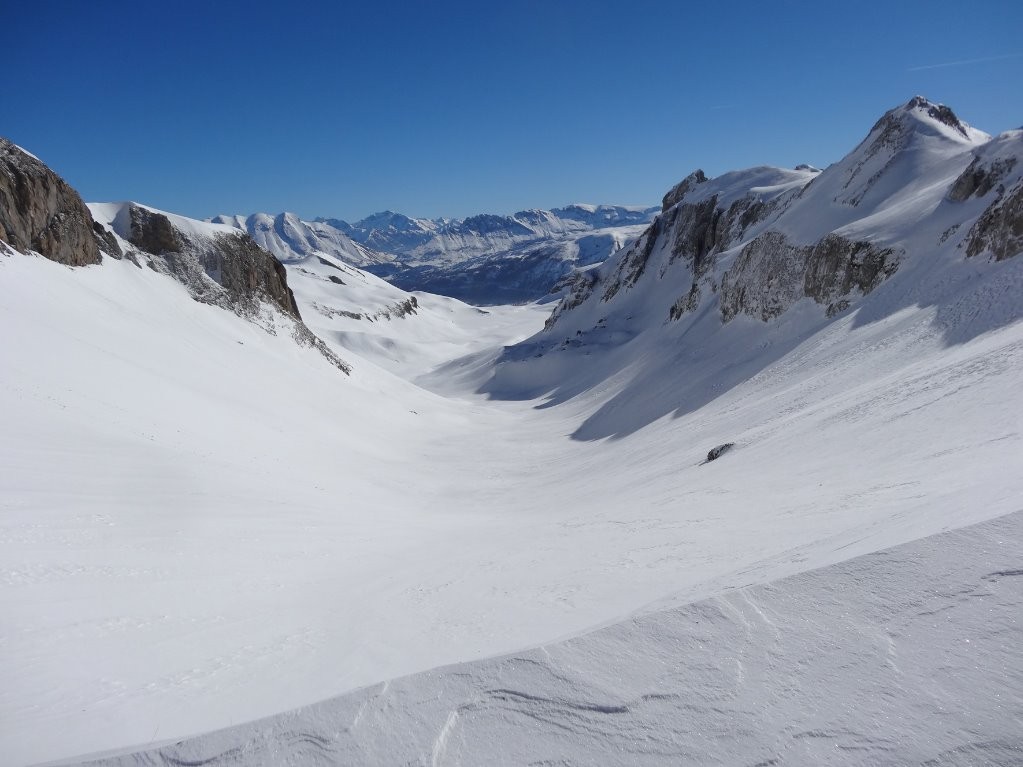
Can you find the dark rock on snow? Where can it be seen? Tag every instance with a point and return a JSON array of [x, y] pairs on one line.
[[720, 450]]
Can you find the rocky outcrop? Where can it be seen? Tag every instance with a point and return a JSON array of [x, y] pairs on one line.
[[106, 241], [836, 267], [980, 178], [631, 269], [697, 233], [682, 188], [939, 112], [40, 212], [245, 269], [771, 274], [152, 232], [767, 278], [246, 273], [716, 452], [999, 230], [577, 287]]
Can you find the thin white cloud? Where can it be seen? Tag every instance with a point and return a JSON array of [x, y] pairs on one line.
[[964, 62]]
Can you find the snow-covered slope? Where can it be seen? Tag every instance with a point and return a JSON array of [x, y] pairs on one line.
[[762, 243], [798, 671], [204, 523], [405, 333]]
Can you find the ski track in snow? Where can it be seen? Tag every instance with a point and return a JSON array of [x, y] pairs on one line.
[[203, 524]]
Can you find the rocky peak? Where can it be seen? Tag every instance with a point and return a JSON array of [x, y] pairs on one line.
[[41, 213], [682, 188], [896, 125], [939, 112]]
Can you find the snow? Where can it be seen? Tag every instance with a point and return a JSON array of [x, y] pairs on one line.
[[28, 153], [203, 524], [211, 525], [116, 217], [872, 661]]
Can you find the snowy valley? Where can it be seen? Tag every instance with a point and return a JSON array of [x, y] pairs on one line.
[[262, 506]]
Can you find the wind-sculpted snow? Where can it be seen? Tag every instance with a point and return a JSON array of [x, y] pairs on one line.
[[911, 655]]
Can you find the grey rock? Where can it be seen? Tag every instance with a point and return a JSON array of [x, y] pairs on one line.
[[999, 230], [771, 274], [245, 273], [939, 112], [979, 178], [720, 450], [836, 266], [767, 278], [106, 241], [632, 268], [677, 192], [152, 232], [40, 212], [246, 270]]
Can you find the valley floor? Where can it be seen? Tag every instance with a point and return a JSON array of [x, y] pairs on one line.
[[203, 524]]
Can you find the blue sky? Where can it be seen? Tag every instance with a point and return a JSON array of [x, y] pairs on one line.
[[451, 108]]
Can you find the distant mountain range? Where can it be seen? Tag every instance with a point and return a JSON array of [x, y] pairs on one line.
[[485, 259]]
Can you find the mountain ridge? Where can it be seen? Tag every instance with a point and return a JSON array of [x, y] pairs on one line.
[[486, 258]]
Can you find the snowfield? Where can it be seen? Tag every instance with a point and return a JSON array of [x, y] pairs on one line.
[[498, 539], [205, 524], [783, 673]]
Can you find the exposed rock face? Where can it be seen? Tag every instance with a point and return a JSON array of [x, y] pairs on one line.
[[40, 212], [245, 271], [227, 270], [771, 274], [836, 267], [107, 241], [939, 112], [698, 233], [680, 189], [980, 178], [766, 279], [578, 286], [152, 232], [994, 175], [631, 269], [999, 230]]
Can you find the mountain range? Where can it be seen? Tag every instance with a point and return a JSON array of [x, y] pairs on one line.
[[749, 492], [483, 259]]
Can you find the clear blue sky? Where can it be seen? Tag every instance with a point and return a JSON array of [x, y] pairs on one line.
[[448, 108]]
